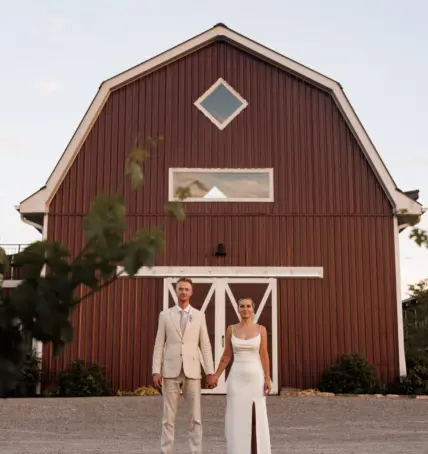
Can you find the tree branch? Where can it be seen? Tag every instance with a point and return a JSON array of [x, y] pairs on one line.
[[104, 284]]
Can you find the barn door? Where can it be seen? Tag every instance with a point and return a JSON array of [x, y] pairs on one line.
[[217, 298], [209, 300], [263, 292]]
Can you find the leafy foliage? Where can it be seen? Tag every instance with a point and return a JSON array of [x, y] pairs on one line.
[[416, 381], [29, 376], [419, 290], [53, 278], [352, 374], [416, 320], [80, 380], [420, 236], [175, 209]]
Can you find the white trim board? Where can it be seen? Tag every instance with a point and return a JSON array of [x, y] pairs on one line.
[[39, 202], [11, 283], [223, 271]]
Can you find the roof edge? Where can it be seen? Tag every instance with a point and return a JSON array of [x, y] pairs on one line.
[[397, 198]]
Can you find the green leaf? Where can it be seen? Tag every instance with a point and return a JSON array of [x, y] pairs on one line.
[[183, 193], [32, 259], [134, 171], [420, 236], [142, 250], [67, 332], [104, 226], [175, 210], [138, 155], [58, 348], [419, 290], [84, 273], [106, 268], [56, 256]]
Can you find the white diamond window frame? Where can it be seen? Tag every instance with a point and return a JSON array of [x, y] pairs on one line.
[[201, 99]]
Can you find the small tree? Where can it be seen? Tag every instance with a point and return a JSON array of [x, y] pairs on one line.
[[42, 304], [416, 320]]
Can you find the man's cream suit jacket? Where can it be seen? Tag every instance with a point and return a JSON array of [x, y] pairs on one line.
[[173, 349]]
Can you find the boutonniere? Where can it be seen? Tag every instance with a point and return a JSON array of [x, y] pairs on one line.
[[190, 318]]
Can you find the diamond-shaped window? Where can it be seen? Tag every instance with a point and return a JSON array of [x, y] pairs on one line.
[[221, 103]]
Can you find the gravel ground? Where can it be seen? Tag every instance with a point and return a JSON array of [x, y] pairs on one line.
[[132, 425]]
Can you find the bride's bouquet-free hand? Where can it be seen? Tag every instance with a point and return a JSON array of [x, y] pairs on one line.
[[268, 386]]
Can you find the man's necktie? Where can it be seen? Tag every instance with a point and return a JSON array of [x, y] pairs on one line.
[[183, 321]]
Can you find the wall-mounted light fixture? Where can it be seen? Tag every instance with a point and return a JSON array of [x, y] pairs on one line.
[[221, 250]]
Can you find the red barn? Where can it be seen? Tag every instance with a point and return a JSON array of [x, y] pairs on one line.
[[300, 212]]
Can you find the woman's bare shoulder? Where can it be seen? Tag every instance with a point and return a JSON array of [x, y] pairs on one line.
[[262, 329]]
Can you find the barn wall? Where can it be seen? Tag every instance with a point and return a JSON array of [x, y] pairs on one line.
[[288, 124], [351, 310], [329, 211], [115, 328]]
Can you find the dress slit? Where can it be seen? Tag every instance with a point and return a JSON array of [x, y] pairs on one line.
[[254, 449], [246, 420]]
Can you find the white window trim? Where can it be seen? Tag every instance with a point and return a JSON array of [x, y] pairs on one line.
[[221, 81], [172, 198]]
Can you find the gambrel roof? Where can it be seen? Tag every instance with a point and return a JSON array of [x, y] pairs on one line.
[[39, 201]]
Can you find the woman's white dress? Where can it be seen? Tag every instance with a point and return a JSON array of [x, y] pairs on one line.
[[245, 387]]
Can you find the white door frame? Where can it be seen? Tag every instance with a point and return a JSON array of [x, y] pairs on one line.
[[221, 276], [271, 290], [220, 287]]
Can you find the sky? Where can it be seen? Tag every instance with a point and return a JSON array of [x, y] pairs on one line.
[[54, 55]]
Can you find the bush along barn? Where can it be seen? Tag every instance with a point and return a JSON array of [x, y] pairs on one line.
[[293, 208]]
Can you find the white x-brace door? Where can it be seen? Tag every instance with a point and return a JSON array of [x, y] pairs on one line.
[[218, 292]]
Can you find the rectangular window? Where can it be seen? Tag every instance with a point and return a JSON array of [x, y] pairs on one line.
[[222, 185]]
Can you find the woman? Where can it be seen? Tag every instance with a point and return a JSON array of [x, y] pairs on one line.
[[248, 383]]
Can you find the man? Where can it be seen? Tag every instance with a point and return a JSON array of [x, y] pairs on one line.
[[182, 330]]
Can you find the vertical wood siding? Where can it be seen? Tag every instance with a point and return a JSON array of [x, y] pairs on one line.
[[329, 211]]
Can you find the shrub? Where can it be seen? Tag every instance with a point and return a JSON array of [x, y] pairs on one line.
[[416, 381], [29, 376], [80, 380], [352, 374], [52, 390]]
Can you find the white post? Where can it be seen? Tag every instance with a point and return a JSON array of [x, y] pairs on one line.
[[38, 345], [400, 327], [274, 359], [220, 328]]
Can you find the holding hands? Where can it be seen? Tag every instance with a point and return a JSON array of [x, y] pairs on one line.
[[212, 381]]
